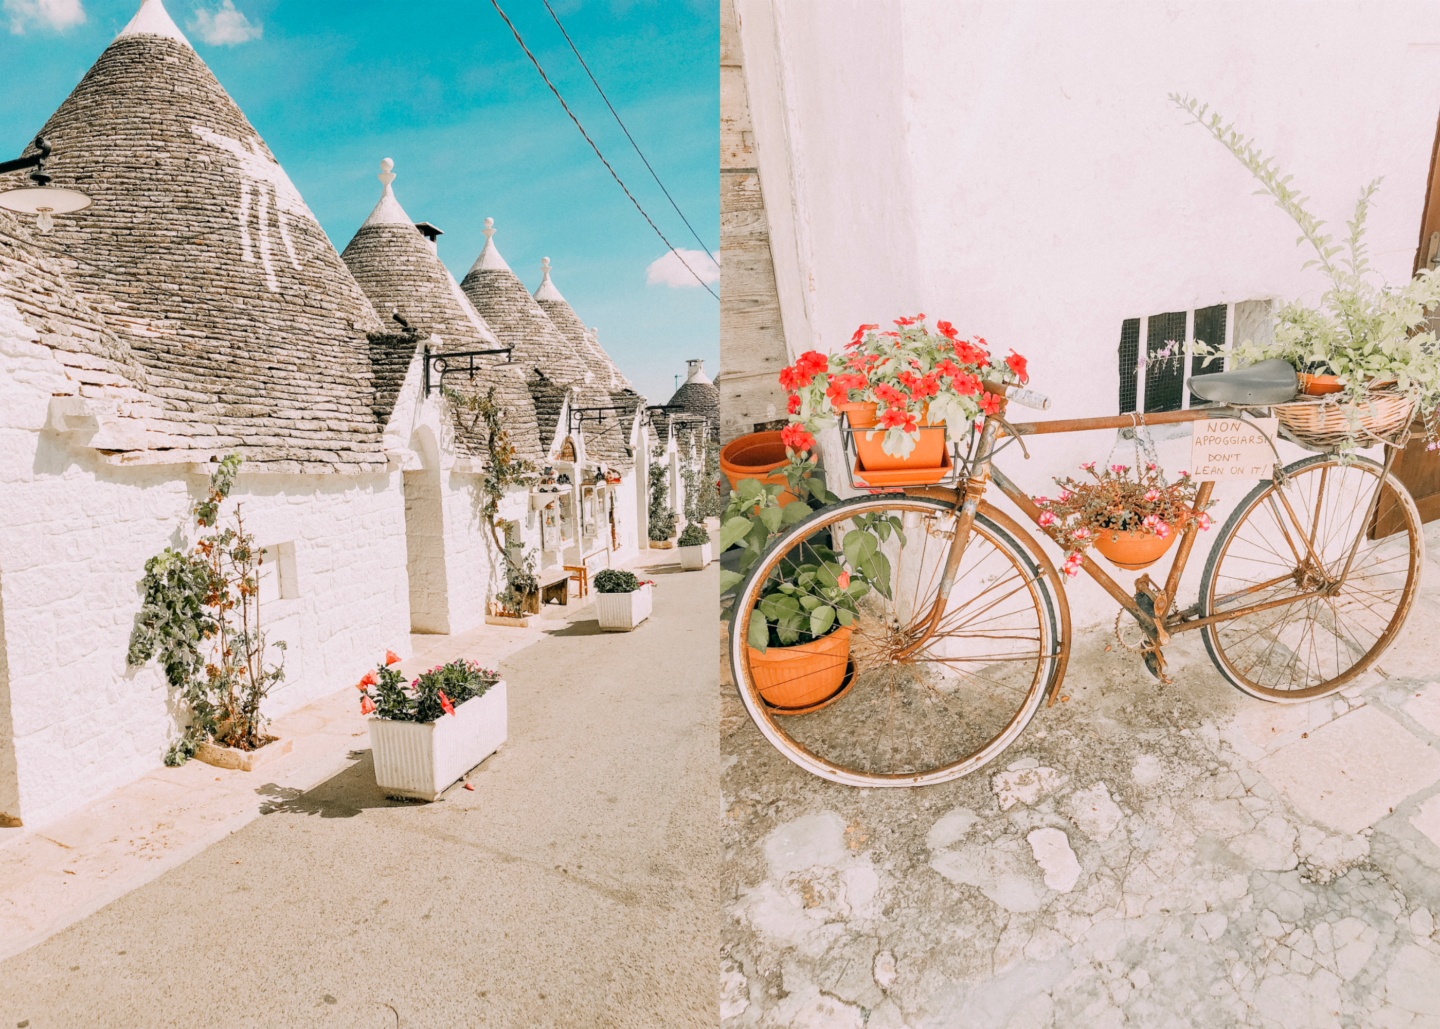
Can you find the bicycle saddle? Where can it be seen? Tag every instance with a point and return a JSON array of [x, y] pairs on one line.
[[1269, 382]]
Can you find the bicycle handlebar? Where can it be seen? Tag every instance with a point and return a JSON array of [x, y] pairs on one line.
[[1028, 398]]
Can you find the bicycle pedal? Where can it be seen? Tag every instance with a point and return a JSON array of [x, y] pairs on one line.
[[1155, 664]]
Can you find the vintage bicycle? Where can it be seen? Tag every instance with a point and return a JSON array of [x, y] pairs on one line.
[[967, 629]]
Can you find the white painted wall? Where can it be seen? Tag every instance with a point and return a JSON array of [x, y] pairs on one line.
[[1018, 169]]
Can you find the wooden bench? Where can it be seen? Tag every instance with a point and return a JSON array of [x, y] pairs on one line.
[[554, 585]]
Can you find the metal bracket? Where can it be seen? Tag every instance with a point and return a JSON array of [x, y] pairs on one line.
[[441, 364], [36, 161]]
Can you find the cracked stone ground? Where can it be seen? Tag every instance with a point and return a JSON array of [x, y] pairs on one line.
[[1142, 856]]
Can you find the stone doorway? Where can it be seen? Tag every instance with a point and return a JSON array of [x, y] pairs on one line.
[[425, 552]]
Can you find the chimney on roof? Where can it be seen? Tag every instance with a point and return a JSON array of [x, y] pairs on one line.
[[432, 234], [694, 365]]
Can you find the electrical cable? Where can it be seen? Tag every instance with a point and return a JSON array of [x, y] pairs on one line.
[[623, 129], [516, 33]]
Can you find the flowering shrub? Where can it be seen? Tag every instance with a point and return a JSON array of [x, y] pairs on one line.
[[426, 697], [1116, 500], [613, 580], [903, 372]]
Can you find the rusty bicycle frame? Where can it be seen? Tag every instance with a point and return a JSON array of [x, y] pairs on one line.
[[1161, 620]]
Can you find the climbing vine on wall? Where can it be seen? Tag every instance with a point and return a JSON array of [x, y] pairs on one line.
[[200, 618]]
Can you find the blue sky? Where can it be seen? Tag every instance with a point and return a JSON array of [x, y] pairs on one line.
[[442, 88]]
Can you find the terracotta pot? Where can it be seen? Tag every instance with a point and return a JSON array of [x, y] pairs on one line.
[[756, 456], [1319, 385], [929, 451], [802, 675], [1132, 550]]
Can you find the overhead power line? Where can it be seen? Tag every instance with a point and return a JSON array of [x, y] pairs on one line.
[[516, 33], [623, 129]]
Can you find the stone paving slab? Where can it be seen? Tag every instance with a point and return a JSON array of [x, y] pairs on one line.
[[1144, 855]]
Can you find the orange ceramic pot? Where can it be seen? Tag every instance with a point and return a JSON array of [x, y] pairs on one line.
[[756, 456], [802, 675], [929, 451], [1132, 550], [1319, 385]]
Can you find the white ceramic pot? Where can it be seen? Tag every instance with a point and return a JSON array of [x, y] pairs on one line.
[[622, 612], [693, 559], [422, 759]]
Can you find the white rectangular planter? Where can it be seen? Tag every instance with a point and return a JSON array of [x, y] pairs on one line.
[[421, 759], [622, 612], [693, 559]]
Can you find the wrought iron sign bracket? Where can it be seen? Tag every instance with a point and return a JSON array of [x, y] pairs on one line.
[[36, 161], [437, 365], [580, 415]]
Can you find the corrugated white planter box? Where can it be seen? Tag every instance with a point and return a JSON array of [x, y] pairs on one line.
[[693, 559], [421, 759], [621, 612]]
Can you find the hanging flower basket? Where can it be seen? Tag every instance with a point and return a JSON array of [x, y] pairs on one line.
[[1132, 550]]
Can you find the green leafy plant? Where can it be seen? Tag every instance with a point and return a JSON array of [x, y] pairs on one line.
[[615, 580], [430, 695], [662, 525], [521, 582], [1118, 497], [694, 536], [1362, 332], [201, 617]]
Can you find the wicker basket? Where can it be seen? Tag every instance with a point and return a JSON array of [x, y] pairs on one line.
[[1321, 423]]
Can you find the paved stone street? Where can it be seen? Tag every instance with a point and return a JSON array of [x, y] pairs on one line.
[[1142, 856], [575, 886]]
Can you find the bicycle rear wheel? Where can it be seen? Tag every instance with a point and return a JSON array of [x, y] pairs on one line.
[[1268, 553], [964, 694]]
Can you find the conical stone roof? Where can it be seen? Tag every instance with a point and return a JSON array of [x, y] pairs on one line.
[[603, 371], [206, 261], [698, 396], [394, 265]]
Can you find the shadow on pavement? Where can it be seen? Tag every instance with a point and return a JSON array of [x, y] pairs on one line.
[[343, 795], [589, 627]]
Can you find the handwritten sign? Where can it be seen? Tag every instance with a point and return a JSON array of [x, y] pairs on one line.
[[1228, 449]]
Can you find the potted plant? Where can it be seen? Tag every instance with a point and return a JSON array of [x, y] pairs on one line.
[[1366, 349], [911, 389], [624, 599], [1131, 519], [694, 547], [427, 733], [662, 529], [759, 456]]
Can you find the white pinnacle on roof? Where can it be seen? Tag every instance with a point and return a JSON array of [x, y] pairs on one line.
[[388, 211], [153, 20], [547, 290], [695, 368], [489, 259]]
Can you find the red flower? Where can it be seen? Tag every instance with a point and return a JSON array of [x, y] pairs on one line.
[[947, 367], [445, 703], [856, 339], [1017, 365], [989, 403], [843, 579], [367, 706], [795, 437], [947, 330], [368, 679], [793, 378], [966, 385], [391, 657], [890, 395], [812, 362], [898, 418], [794, 404], [837, 392], [970, 354]]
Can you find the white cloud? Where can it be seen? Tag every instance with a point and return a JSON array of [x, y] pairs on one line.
[[56, 14], [224, 26], [671, 269]]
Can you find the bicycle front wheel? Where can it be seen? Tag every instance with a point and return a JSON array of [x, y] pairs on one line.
[[1312, 542], [903, 705]]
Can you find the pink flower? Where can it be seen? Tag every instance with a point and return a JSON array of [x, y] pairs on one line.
[[366, 705], [1047, 519], [1119, 469], [1089, 466], [1162, 529], [1153, 494], [1082, 533]]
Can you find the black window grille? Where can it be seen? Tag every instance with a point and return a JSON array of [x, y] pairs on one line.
[[1129, 355], [1209, 328], [1164, 380]]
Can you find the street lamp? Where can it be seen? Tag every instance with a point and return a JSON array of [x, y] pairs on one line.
[[41, 199]]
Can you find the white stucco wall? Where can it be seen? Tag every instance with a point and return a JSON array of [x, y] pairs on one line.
[[1018, 169]]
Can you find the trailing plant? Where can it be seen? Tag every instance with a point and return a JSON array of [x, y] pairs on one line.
[[694, 536], [503, 472], [1361, 331], [615, 580], [385, 693], [908, 373], [201, 618], [1115, 499]]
